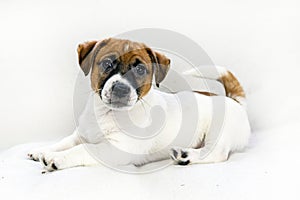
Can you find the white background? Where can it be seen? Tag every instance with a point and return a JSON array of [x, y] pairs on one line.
[[258, 40]]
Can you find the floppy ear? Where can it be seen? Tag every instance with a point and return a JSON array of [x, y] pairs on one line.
[[162, 68], [161, 65], [84, 51]]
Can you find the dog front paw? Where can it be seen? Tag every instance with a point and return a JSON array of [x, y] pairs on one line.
[[180, 156], [36, 154], [52, 161]]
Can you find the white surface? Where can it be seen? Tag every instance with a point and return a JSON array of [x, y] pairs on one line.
[[258, 40], [264, 171]]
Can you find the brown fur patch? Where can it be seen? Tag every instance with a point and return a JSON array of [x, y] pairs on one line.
[[126, 53], [162, 68], [206, 93], [232, 86], [84, 53]]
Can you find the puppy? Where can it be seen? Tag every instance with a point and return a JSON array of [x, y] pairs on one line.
[[116, 124]]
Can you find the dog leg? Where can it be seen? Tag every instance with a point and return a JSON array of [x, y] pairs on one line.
[[211, 152], [75, 156], [64, 144], [185, 156], [83, 155], [217, 145]]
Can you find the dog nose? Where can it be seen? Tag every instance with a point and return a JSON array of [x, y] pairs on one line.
[[120, 89]]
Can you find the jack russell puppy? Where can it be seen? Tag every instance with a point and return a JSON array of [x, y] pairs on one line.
[[122, 74]]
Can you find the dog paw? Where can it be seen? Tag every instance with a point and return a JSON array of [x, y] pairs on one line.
[[51, 162], [36, 154], [180, 156]]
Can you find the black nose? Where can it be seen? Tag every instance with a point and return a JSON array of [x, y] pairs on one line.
[[120, 89]]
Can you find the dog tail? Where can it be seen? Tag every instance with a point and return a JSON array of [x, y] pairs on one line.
[[233, 88]]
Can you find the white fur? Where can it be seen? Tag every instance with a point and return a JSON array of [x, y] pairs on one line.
[[213, 73], [207, 72], [100, 131], [106, 92]]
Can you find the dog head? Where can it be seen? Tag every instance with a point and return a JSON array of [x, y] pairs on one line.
[[122, 71]]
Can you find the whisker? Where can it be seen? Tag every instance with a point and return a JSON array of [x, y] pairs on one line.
[[143, 105], [146, 102], [133, 98], [97, 90]]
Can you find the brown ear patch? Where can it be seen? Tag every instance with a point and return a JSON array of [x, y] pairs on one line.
[[161, 64], [84, 49], [84, 55], [162, 68]]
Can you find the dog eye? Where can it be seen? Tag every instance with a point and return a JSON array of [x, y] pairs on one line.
[[107, 64], [140, 69]]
